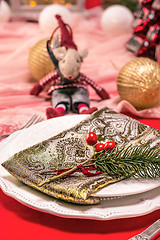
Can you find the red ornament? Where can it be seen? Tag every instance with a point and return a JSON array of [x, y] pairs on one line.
[[156, 5], [141, 12], [147, 50], [153, 34], [146, 29], [140, 28], [109, 145], [99, 147], [92, 4], [91, 138]]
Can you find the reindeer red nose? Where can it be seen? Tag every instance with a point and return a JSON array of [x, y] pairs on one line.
[[70, 77]]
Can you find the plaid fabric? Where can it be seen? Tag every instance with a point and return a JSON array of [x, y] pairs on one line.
[[56, 82]]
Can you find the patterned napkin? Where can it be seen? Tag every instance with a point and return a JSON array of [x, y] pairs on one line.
[[67, 149]]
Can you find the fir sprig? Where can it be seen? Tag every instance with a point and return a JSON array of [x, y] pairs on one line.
[[122, 163], [141, 161]]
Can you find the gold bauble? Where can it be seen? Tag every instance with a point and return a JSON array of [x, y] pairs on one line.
[[138, 82], [39, 61]]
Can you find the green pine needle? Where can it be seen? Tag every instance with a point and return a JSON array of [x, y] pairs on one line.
[[141, 161]]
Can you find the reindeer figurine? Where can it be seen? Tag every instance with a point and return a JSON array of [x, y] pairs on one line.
[[68, 87]]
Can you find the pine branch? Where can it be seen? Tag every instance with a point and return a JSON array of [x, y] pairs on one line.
[[141, 161]]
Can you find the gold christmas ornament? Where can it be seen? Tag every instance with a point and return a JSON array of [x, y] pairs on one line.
[[138, 82], [39, 61]]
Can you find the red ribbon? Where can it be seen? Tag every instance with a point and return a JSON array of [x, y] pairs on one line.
[[85, 171]]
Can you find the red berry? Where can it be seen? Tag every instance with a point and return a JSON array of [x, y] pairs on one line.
[[91, 138], [99, 147], [109, 145]]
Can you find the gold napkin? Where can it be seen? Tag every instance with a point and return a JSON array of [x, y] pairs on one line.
[[68, 149]]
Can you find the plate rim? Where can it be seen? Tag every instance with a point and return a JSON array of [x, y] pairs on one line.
[[58, 212]]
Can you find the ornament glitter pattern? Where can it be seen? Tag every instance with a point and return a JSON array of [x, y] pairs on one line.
[[39, 61], [138, 82]]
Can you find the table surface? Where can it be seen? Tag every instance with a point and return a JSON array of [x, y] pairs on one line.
[[20, 222]]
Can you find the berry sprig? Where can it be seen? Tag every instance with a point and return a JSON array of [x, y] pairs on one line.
[[92, 138], [120, 163]]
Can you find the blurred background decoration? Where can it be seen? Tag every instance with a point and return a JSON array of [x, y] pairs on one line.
[[30, 9], [146, 29], [138, 83], [116, 20], [5, 11], [39, 61], [47, 21]]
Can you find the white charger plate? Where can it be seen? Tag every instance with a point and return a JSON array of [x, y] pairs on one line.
[[139, 196]]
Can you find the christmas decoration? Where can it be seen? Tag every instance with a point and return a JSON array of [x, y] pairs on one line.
[[138, 82], [99, 147], [5, 11], [109, 145], [141, 161], [120, 163], [47, 21], [92, 4], [91, 138], [116, 20], [146, 29], [42, 160], [39, 61], [68, 86]]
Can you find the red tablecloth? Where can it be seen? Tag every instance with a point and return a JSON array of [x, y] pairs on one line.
[[19, 222]]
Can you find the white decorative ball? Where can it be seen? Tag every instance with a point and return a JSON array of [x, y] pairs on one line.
[[116, 20], [5, 11], [47, 20]]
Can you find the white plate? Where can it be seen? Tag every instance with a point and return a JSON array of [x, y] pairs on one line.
[[139, 196]]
